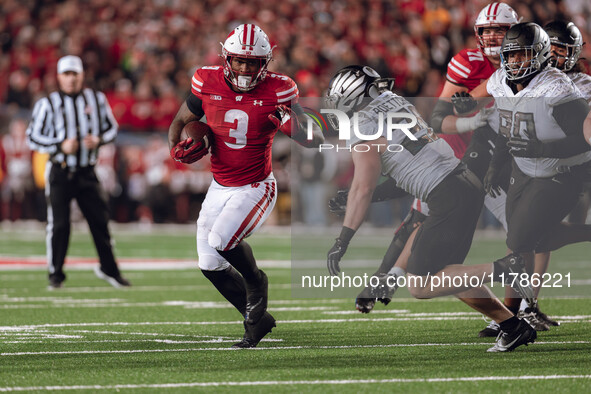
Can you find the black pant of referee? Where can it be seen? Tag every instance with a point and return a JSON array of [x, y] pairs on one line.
[[62, 185]]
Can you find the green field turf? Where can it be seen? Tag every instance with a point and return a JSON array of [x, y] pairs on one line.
[[171, 331]]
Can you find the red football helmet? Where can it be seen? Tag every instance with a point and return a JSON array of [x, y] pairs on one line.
[[246, 41]]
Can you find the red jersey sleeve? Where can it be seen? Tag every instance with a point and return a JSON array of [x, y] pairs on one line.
[[197, 83], [459, 68], [286, 90], [468, 68]]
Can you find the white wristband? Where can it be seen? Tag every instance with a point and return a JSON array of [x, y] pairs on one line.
[[464, 125]]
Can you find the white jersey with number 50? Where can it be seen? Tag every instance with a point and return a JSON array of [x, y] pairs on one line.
[[417, 169], [529, 114]]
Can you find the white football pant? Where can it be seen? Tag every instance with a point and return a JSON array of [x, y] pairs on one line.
[[230, 214]]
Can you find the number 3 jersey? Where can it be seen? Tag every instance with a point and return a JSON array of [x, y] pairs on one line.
[[242, 131], [529, 114]]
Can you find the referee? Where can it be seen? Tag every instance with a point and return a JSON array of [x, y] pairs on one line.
[[71, 124]]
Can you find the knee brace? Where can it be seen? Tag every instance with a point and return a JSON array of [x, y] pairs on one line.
[[209, 262], [215, 241]]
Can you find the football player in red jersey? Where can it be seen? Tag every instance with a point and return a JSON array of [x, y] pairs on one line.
[[245, 105]]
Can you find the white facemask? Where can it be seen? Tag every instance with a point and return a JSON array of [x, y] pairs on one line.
[[492, 51]]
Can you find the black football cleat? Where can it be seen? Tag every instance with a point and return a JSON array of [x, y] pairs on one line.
[[512, 267], [54, 284], [253, 333], [256, 300], [365, 305], [521, 335], [115, 281], [530, 315], [492, 330], [387, 286], [364, 302], [549, 321]]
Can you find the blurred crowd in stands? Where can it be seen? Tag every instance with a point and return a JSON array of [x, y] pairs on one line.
[[142, 54]]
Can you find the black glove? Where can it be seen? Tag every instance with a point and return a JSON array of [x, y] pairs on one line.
[[338, 204], [463, 103], [334, 256], [520, 147], [492, 182]]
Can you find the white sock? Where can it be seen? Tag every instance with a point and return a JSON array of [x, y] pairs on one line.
[[397, 271]]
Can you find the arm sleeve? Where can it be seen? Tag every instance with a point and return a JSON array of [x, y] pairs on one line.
[[441, 111], [570, 117], [195, 105]]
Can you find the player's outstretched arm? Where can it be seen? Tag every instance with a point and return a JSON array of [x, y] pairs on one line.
[[385, 191], [367, 171], [291, 121], [454, 103]]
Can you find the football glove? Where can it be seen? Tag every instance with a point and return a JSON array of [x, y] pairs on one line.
[[463, 102], [335, 254], [284, 124], [520, 147], [492, 182], [338, 204], [186, 153], [464, 125]]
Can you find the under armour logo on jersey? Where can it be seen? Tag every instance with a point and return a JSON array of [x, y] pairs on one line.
[[238, 98], [215, 97], [254, 185], [258, 102]]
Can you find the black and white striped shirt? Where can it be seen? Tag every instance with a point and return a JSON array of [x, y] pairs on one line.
[[59, 116]]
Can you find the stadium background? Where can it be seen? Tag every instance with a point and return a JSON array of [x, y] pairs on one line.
[[142, 54]]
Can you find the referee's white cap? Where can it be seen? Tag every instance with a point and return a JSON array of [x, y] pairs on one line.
[[69, 63]]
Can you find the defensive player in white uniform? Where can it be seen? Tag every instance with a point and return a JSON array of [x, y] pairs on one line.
[[470, 137], [427, 169], [567, 42], [542, 115]]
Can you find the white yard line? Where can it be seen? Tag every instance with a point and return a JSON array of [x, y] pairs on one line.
[[223, 349], [360, 319], [296, 382], [9, 263]]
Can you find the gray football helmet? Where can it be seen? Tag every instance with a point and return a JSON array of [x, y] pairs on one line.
[[351, 85], [534, 42], [567, 35]]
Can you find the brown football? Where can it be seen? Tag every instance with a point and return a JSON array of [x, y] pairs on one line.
[[197, 131]]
